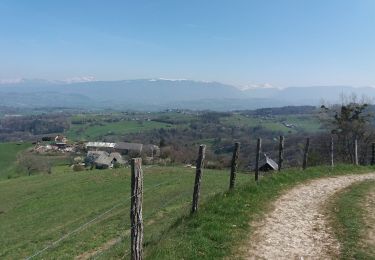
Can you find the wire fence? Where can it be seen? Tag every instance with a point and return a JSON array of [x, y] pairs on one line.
[[96, 219], [320, 151]]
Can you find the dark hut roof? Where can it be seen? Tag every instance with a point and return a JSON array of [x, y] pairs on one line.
[[271, 163], [268, 161]]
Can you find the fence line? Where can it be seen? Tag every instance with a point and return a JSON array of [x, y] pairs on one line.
[[137, 252], [185, 204], [84, 225]]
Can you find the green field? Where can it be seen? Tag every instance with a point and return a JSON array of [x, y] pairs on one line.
[[8, 157], [37, 210], [96, 126], [97, 130], [301, 122]]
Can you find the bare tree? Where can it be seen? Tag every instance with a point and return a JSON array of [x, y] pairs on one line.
[[349, 121], [34, 164]]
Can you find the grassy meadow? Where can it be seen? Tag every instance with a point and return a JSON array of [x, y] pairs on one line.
[[8, 157], [94, 131], [37, 210], [95, 127], [304, 123]]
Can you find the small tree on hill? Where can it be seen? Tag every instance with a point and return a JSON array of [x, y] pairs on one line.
[[34, 164], [349, 122]]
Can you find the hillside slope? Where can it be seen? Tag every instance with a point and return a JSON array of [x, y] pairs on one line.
[[40, 209]]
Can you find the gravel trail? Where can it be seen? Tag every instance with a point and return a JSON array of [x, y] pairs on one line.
[[297, 228]]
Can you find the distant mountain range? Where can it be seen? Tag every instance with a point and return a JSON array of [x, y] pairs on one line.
[[158, 94]]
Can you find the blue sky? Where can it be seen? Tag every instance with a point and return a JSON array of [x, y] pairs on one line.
[[279, 42]]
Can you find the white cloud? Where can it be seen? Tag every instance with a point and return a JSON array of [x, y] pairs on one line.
[[254, 86], [172, 79], [80, 79], [11, 81]]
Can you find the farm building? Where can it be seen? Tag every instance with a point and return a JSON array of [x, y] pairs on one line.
[[126, 148], [100, 146], [104, 160], [60, 141], [268, 165]]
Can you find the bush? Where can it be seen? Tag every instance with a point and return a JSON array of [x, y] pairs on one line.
[[78, 167], [116, 165]]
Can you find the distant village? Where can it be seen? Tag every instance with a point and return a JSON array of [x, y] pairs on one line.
[[99, 155]]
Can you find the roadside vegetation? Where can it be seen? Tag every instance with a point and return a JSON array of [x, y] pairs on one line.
[[353, 220]]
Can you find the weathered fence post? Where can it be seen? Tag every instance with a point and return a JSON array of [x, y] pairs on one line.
[[234, 165], [198, 177], [306, 153], [373, 154], [281, 152], [331, 150], [136, 209], [259, 146], [356, 152]]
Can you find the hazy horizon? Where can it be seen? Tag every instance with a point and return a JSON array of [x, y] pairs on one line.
[[89, 79]]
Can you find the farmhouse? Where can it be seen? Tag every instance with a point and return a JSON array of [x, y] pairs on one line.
[[268, 165], [124, 148], [104, 160], [60, 141]]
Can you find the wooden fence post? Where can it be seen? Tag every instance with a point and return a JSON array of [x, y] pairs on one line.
[[259, 147], [234, 165], [356, 152], [136, 209], [306, 153], [281, 152], [198, 177], [331, 150], [373, 154]]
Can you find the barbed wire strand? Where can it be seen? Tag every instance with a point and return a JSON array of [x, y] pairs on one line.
[[121, 238], [183, 204], [81, 227]]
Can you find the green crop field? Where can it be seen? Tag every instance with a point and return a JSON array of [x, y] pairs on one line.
[[8, 157], [40, 209], [97, 130]]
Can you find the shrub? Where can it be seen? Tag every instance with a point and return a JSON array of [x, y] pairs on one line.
[[78, 167], [116, 165]]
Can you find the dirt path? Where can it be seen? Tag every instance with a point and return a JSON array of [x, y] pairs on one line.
[[296, 228]]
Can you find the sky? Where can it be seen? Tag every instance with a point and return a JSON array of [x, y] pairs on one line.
[[245, 43]]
